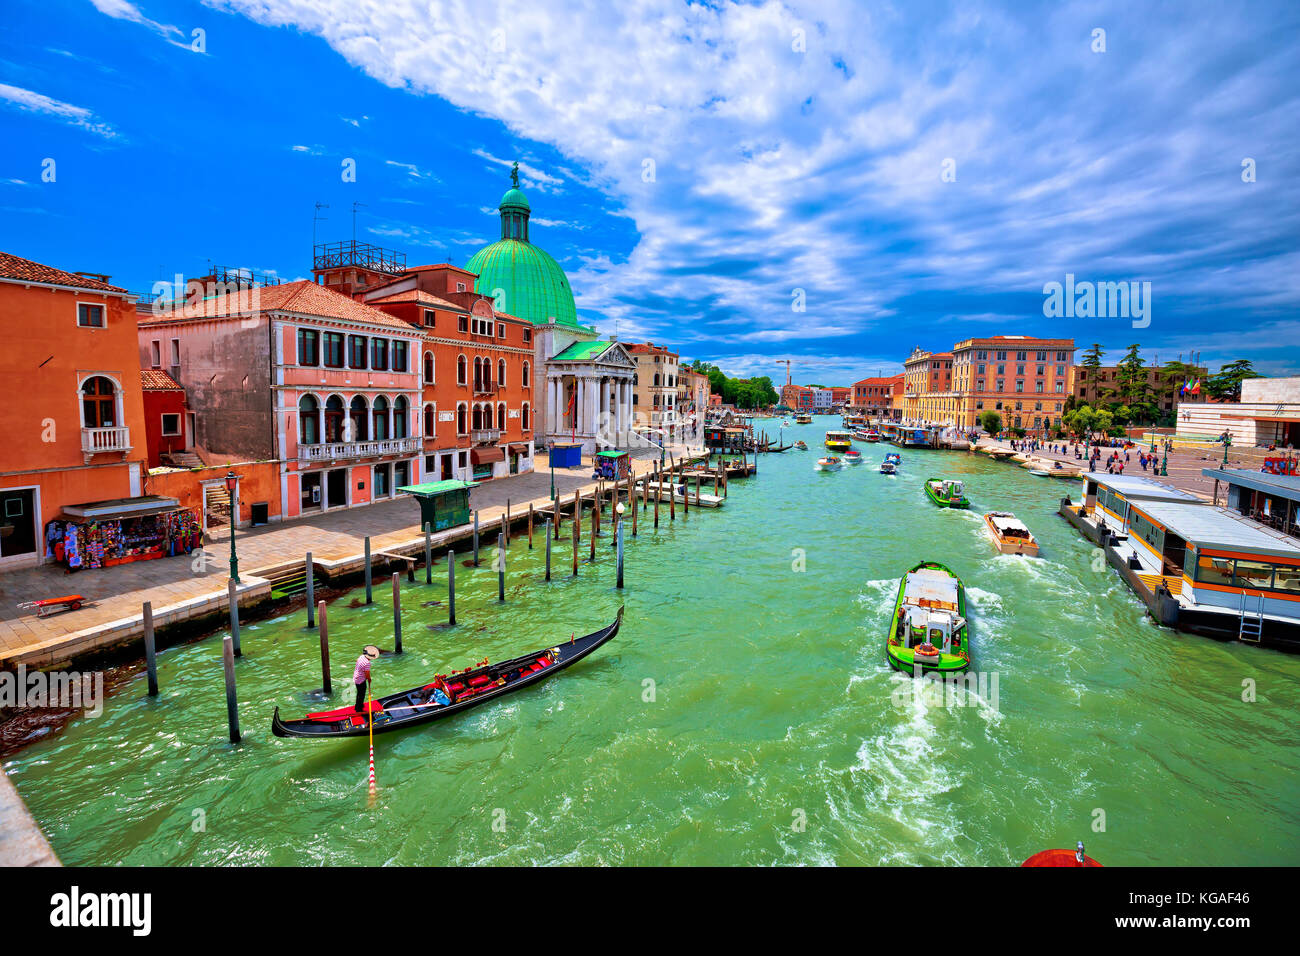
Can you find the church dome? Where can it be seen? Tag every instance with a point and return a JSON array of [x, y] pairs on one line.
[[532, 285]]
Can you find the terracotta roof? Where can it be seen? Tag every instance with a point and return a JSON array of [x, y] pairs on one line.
[[156, 380], [647, 348], [303, 297], [16, 267], [417, 295]]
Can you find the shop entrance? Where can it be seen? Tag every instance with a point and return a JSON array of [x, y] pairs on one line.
[[336, 488], [311, 491], [18, 532]]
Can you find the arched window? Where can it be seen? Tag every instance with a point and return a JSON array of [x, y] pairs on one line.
[[399, 417], [360, 417], [460, 418], [308, 420], [501, 371], [528, 375], [333, 419], [501, 416], [381, 418], [430, 421], [478, 417], [428, 368], [98, 403], [461, 369], [523, 417], [656, 385]]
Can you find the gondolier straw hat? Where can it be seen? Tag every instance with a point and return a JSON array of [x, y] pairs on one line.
[[371, 651]]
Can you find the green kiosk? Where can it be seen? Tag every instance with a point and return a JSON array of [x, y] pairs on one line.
[[443, 504]]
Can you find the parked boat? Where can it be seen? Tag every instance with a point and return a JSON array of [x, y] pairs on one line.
[[852, 457], [839, 440], [1039, 472], [929, 629], [947, 493], [890, 465], [462, 691], [829, 463], [675, 492], [1009, 533], [872, 435]]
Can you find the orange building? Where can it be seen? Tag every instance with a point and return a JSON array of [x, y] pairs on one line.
[[874, 397], [927, 386], [72, 430], [1025, 380]]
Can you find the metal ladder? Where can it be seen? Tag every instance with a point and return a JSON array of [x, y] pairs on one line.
[[1250, 626]]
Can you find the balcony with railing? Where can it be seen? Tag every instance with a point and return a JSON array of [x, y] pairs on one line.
[[97, 441], [484, 436], [350, 450]]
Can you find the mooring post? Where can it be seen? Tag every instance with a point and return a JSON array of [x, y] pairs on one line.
[[501, 567], [632, 504], [577, 525], [548, 549], [476, 537], [150, 657], [530, 526], [658, 495], [428, 553], [451, 587], [232, 702], [311, 592], [397, 614], [697, 491], [233, 597], [618, 536], [369, 595], [672, 499], [505, 523], [595, 529], [324, 649]]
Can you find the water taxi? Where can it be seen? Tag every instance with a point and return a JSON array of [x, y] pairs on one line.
[[947, 493], [803, 419], [801, 445], [1009, 533], [872, 435], [839, 440], [852, 457], [928, 629], [829, 463], [890, 465]]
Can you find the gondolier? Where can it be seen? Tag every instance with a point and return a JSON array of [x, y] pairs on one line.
[[361, 675]]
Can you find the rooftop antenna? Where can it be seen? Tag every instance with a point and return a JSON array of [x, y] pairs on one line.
[[355, 204], [317, 217]]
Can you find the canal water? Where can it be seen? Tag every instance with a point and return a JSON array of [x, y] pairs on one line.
[[744, 715]]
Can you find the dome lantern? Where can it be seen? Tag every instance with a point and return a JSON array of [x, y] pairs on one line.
[[514, 210]]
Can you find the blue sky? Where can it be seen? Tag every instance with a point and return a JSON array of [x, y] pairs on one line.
[[697, 169]]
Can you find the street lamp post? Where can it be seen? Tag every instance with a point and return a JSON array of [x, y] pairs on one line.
[[232, 487]]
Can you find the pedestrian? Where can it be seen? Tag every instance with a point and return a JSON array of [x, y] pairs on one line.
[[361, 675]]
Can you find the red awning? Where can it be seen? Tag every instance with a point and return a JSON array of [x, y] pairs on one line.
[[517, 448], [487, 455]]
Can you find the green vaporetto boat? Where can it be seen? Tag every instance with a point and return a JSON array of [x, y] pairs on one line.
[[929, 629], [947, 493]]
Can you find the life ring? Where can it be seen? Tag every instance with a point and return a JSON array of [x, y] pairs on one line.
[[926, 650]]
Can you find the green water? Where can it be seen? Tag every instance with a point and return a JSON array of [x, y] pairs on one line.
[[777, 734]]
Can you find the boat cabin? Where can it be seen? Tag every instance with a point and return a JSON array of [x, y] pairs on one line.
[[1271, 497], [930, 609]]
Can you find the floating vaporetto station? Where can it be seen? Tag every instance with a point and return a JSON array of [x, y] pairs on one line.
[[1198, 567]]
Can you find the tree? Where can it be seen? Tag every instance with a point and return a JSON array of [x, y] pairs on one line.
[[1226, 385], [1092, 358], [990, 421]]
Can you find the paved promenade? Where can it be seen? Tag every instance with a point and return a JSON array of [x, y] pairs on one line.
[[1184, 464], [178, 592]]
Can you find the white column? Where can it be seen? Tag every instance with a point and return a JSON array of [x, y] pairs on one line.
[[592, 386]]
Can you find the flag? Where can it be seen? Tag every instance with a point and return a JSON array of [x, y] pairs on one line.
[[1196, 388]]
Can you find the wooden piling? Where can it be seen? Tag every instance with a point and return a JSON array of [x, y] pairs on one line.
[[505, 524], [632, 502], [548, 550], [232, 701], [476, 537], [428, 554], [233, 597], [530, 526], [369, 596], [501, 567], [577, 527], [397, 614], [595, 529], [451, 587], [311, 592], [324, 649], [618, 537], [150, 652], [697, 491]]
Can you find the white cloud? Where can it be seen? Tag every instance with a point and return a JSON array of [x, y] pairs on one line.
[[122, 10], [32, 102]]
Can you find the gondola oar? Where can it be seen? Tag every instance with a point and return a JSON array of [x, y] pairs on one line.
[[370, 721]]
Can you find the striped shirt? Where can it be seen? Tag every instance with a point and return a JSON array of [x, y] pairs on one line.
[[362, 672]]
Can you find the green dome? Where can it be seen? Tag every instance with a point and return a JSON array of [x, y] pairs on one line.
[[514, 197], [534, 286]]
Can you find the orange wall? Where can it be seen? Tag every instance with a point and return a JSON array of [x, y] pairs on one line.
[[258, 481]]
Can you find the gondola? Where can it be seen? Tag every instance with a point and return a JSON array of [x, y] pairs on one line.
[[470, 688]]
